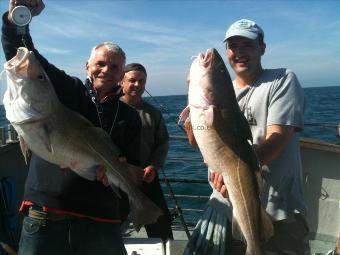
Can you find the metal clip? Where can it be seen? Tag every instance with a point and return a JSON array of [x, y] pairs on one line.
[[12, 134]]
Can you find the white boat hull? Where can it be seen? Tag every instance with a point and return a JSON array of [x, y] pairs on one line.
[[321, 167]]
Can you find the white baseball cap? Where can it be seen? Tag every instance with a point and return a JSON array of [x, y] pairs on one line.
[[245, 28]]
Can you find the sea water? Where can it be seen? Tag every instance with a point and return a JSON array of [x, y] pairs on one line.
[[322, 115]]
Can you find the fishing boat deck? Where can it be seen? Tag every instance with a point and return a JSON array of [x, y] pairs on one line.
[[133, 240], [321, 163]]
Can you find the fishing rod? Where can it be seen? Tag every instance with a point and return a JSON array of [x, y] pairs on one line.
[[177, 207], [172, 194]]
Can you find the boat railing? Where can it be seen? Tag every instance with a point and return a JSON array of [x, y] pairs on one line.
[[186, 196], [12, 135], [185, 206]]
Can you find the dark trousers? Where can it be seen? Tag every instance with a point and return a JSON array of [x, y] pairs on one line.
[[162, 228], [71, 236]]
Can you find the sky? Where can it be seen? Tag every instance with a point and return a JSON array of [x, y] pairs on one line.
[[303, 36]]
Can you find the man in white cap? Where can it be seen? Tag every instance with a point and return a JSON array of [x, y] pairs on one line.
[[272, 100]]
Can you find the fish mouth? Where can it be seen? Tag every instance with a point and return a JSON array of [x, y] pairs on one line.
[[207, 58], [14, 63]]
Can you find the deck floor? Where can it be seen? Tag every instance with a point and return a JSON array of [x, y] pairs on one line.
[[318, 247]]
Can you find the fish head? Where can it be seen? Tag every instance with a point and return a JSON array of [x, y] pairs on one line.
[[28, 87], [209, 80]]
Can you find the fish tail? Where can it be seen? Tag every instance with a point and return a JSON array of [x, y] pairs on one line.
[[267, 229], [253, 252], [143, 211]]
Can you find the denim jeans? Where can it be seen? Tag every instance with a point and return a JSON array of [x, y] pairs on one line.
[[70, 237]]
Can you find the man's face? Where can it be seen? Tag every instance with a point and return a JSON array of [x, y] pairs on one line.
[[105, 69], [244, 55], [133, 83]]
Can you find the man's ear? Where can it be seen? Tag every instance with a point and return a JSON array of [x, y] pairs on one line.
[[122, 77], [87, 66], [263, 48]]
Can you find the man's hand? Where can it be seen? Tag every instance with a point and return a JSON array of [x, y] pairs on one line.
[[149, 174], [101, 176], [35, 6], [217, 180]]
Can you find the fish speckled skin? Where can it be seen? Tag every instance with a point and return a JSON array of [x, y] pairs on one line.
[[64, 137], [223, 134]]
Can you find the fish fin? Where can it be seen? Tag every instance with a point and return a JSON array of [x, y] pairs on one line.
[[24, 149], [143, 211], [136, 174], [184, 114], [242, 124], [243, 127], [267, 229], [116, 191], [222, 119], [94, 135], [103, 137], [190, 133], [210, 114], [45, 136], [185, 117], [88, 174]]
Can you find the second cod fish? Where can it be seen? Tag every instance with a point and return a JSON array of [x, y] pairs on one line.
[[65, 138], [223, 134]]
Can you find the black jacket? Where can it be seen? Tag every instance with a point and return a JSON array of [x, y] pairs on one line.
[[47, 184]]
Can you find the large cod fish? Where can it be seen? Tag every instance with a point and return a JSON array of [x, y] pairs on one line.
[[222, 134], [64, 137]]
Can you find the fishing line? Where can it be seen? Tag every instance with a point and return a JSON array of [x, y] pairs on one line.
[[2, 73], [163, 108], [2, 90], [172, 194]]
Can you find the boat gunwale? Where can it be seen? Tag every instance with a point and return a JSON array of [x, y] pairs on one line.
[[310, 143]]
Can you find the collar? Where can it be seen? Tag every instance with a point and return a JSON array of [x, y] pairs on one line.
[[115, 94]]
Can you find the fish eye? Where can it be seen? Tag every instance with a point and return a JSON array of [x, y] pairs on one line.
[[41, 77]]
